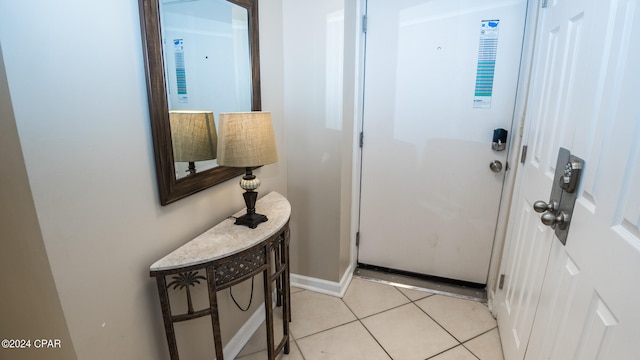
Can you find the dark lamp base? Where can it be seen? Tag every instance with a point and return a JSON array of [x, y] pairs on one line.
[[251, 220]]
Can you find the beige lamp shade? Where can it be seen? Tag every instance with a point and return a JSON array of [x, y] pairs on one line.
[[193, 134], [246, 139]]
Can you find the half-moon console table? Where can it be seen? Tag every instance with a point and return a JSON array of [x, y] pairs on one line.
[[226, 255]]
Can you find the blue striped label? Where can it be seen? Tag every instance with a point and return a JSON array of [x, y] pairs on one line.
[[181, 72], [486, 64]]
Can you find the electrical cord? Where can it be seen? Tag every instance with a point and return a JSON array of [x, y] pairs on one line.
[[231, 293], [250, 298]]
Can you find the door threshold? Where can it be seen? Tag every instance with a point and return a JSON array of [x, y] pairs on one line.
[[421, 283]]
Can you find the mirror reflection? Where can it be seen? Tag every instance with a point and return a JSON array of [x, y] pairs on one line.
[[208, 70], [194, 138]]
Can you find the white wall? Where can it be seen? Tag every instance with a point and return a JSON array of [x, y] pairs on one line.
[[29, 305], [319, 113], [76, 77]]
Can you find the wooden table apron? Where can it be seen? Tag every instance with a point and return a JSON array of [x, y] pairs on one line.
[[269, 257]]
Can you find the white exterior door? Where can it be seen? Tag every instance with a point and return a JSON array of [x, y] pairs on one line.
[[579, 301], [436, 87]]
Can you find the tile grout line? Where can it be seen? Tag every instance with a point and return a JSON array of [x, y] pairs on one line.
[[375, 339], [477, 336], [327, 329], [436, 321], [460, 343], [366, 328], [294, 340], [442, 327], [451, 348], [419, 308]]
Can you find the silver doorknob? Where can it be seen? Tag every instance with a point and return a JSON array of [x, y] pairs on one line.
[[495, 166], [541, 206], [550, 219]]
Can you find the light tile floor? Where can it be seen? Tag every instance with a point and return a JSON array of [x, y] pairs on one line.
[[378, 321]]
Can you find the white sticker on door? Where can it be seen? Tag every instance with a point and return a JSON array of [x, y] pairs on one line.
[[486, 64]]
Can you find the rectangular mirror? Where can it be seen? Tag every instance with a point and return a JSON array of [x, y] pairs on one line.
[[200, 56]]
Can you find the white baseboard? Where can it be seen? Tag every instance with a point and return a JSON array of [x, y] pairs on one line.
[[324, 286], [238, 341]]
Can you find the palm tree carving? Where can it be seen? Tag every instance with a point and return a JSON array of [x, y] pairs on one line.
[[185, 280]]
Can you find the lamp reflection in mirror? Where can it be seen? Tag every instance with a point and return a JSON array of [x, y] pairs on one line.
[[246, 139], [194, 137]]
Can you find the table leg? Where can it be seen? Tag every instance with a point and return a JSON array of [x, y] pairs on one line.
[[287, 271], [268, 291], [278, 260], [215, 319], [163, 294]]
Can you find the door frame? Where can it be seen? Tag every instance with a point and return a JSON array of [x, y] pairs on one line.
[[512, 180], [359, 8]]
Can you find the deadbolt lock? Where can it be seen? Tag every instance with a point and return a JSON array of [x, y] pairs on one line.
[[569, 180], [558, 212]]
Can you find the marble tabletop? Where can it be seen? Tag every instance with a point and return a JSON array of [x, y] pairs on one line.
[[226, 238]]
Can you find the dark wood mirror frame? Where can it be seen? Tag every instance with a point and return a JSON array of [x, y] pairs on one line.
[[170, 188]]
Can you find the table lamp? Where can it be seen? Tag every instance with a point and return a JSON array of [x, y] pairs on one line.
[[246, 139], [193, 135]]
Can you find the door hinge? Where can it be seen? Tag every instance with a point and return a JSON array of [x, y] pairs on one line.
[[358, 238], [361, 139], [501, 282], [364, 24], [544, 4], [523, 156]]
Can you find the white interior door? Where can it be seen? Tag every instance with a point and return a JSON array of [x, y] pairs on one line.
[[579, 301], [429, 199]]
